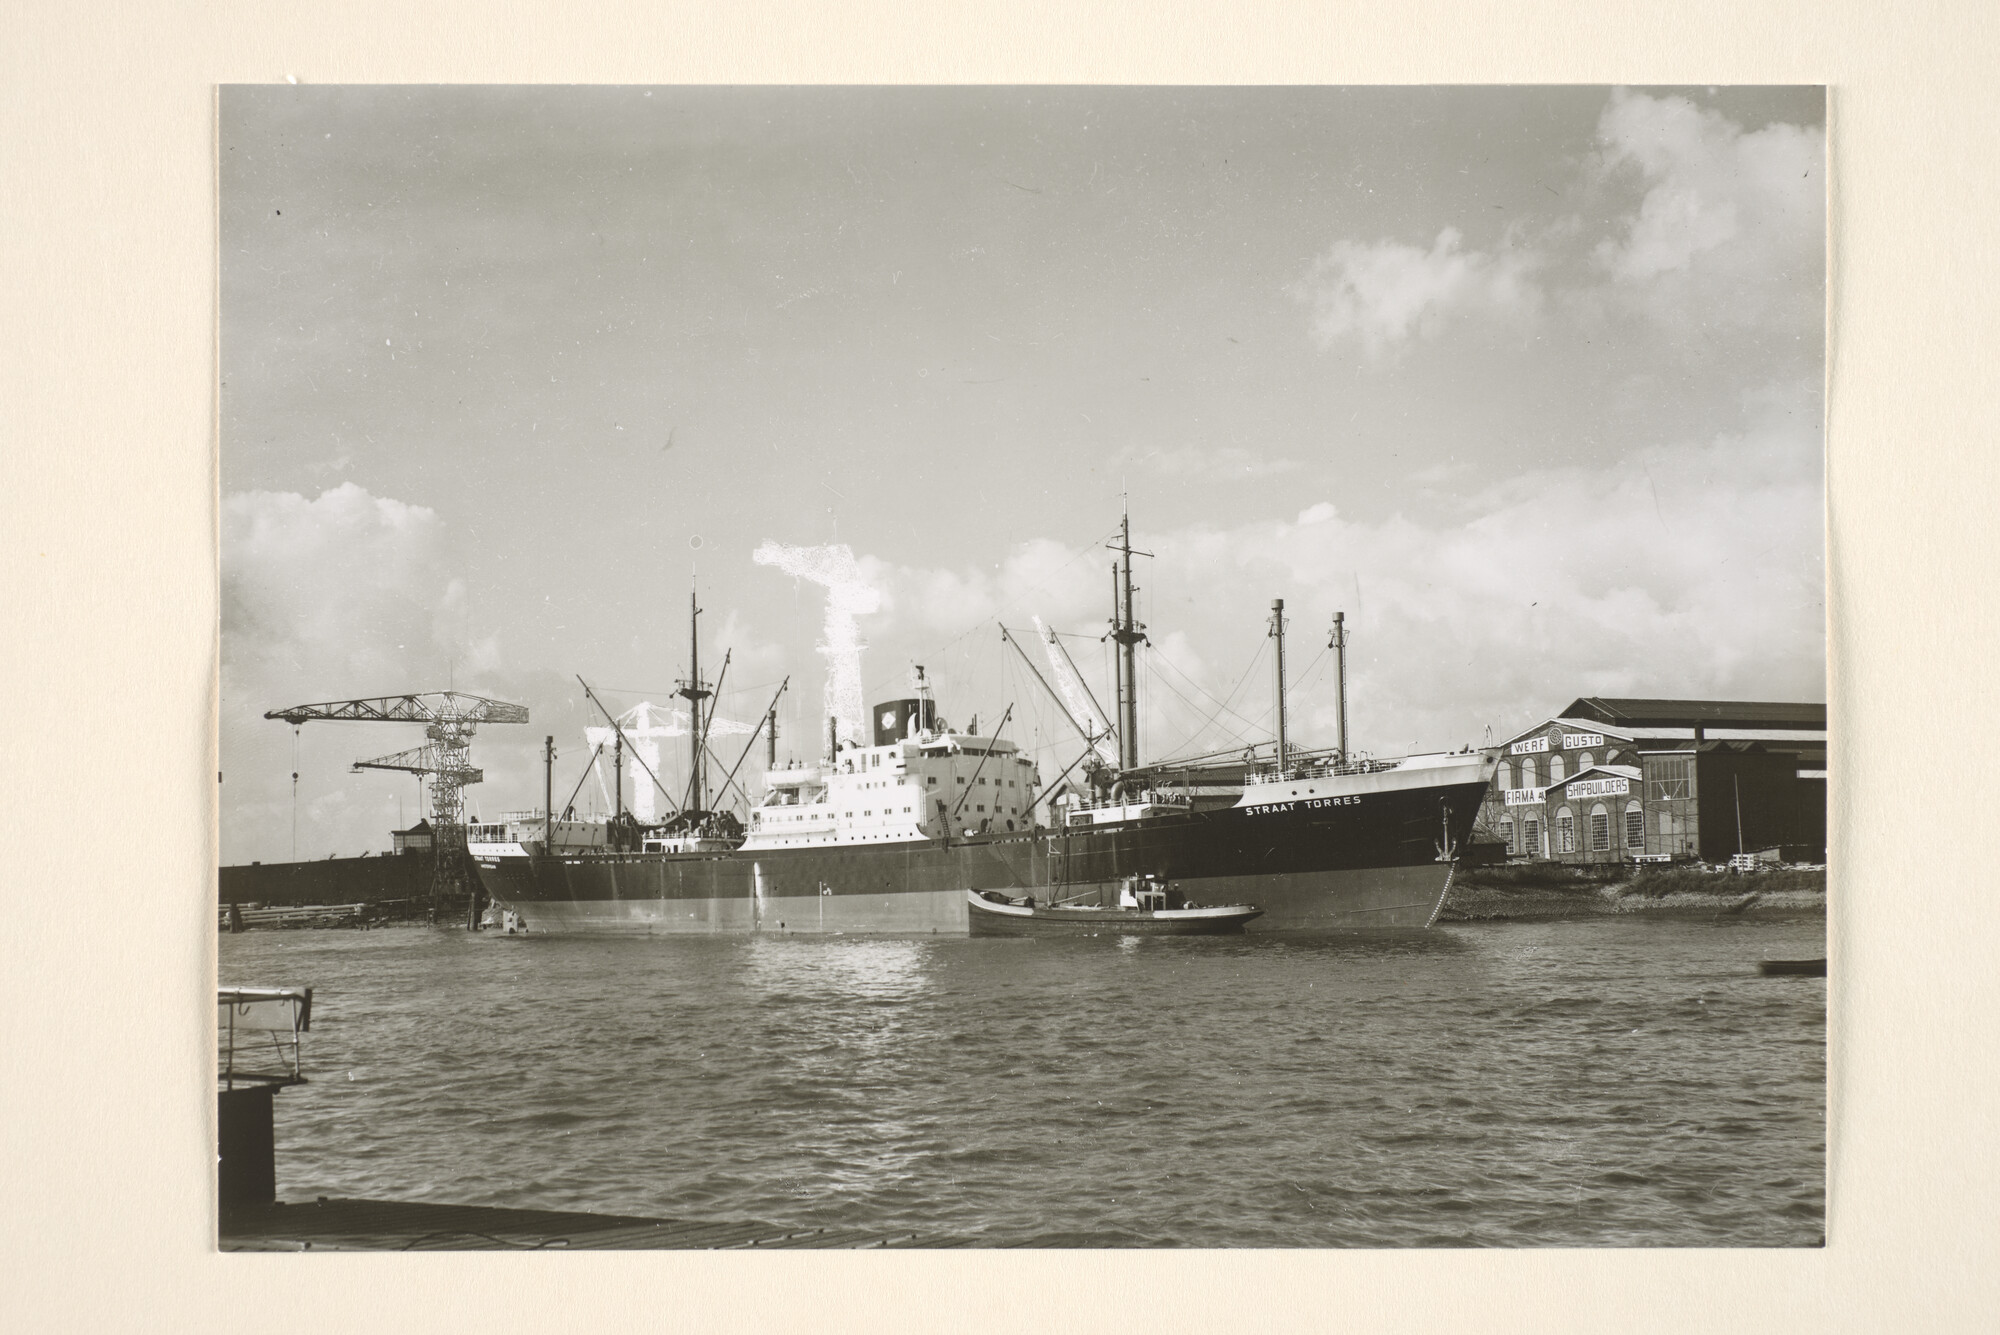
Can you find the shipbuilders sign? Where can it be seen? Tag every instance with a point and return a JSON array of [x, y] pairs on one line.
[[1599, 788]]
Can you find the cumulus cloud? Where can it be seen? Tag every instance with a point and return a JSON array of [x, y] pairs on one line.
[[1703, 219], [1690, 570], [1687, 571], [324, 598], [335, 590], [1386, 293], [1730, 219]]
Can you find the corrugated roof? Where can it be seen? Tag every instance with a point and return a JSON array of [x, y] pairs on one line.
[[1593, 725], [1689, 744], [1694, 713]]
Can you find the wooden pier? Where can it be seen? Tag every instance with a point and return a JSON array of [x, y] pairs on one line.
[[335, 1225]]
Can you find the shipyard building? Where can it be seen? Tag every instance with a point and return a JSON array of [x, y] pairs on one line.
[[1609, 781]]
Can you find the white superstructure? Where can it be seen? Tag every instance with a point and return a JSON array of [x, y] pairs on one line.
[[902, 792], [508, 836]]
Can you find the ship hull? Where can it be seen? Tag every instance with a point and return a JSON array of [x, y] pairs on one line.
[[1366, 863]]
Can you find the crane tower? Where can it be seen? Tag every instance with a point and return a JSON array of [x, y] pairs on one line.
[[449, 719]]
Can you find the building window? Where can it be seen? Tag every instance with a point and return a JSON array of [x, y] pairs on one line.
[[1528, 779], [1635, 826], [1555, 770], [1507, 833], [1531, 837], [1600, 829], [1667, 778], [1565, 831], [1584, 762], [1501, 776]]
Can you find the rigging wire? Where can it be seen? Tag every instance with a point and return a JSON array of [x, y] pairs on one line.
[[1199, 728], [1223, 704]]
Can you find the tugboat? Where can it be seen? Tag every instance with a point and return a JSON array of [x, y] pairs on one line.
[[1144, 907]]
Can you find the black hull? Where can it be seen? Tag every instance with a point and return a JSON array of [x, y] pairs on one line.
[[1357, 863]]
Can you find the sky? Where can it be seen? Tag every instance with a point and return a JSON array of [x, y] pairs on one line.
[[1526, 382]]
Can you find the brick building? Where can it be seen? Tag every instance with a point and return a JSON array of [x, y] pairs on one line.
[[1662, 780]]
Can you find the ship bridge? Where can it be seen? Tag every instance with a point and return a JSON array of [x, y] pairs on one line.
[[920, 781]]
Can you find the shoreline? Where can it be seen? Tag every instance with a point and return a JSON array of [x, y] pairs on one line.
[[1535, 893], [1484, 894]]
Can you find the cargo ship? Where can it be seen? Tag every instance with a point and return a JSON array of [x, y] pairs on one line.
[[887, 834]]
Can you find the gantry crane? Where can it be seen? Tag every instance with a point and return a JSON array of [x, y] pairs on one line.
[[449, 719]]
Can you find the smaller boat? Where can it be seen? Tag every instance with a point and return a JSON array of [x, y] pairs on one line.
[[1141, 910], [502, 921]]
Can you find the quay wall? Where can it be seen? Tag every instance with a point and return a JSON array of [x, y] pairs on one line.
[[1540, 891]]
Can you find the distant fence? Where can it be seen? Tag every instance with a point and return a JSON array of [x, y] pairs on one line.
[[332, 881]]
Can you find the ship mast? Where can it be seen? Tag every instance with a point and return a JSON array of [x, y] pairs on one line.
[[1278, 690], [694, 690], [1338, 643], [1128, 633]]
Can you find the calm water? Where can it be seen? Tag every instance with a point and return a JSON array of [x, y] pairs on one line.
[[1604, 1082]]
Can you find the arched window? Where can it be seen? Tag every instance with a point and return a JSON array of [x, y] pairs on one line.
[[1502, 776], [1528, 777], [1507, 833], [1565, 831], [1531, 836], [1635, 825], [1600, 829], [1555, 769], [1584, 762], [1611, 757]]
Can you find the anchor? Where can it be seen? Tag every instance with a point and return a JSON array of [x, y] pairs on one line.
[[1447, 850]]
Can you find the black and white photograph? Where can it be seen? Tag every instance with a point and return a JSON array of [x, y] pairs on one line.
[[1061, 667]]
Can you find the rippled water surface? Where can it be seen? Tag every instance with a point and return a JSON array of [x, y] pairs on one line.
[[1602, 1082]]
